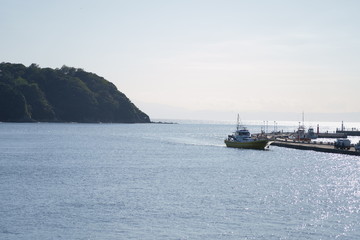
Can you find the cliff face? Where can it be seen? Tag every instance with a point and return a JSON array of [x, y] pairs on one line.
[[62, 95]]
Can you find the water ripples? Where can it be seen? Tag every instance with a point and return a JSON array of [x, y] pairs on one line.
[[169, 182]]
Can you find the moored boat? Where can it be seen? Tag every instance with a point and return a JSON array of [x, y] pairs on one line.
[[241, 138], [311, 133], [300, 135]]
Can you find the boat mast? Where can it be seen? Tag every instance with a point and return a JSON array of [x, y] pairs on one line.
[[238, 123], [303, 121]]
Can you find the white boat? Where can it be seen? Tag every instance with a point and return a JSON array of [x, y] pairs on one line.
[[241, 138], [301, 134], [311, 133]]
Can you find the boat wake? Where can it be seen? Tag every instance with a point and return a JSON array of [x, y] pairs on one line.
[[191, 142]]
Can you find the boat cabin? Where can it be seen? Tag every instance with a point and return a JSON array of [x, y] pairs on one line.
[[242, 134]]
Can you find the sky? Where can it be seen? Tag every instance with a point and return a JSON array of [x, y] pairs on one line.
[[201, 59]]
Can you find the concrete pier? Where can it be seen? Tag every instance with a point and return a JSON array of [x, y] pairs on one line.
[[319, 147]]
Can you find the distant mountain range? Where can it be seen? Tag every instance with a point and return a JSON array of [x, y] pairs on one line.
[[67, 94]]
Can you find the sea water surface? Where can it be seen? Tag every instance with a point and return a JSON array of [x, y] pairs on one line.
[[168, 181]]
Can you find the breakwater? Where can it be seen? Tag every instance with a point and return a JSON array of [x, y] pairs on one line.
[[349, 133], [331, 135], [314, 146]]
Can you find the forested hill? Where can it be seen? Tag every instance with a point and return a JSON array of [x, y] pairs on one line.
[[62, 95]]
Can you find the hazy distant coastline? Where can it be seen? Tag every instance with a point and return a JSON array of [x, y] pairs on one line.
[[163, 111]]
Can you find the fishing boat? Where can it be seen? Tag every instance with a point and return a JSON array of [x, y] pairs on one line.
[[311, 133], [300, 135], [241, 138]]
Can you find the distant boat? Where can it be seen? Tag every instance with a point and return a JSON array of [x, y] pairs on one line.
[[302, 135], [241, 138], [311, 133]]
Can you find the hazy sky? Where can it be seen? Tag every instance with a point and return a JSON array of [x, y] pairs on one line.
[[195, 57]]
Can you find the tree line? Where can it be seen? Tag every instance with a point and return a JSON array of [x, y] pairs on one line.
[[64, 94]]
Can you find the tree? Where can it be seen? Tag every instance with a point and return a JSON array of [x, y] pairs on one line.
[[13, 105]]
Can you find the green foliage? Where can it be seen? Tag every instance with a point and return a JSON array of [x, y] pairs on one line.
[[13, 105], [20, 81], [41, 110], [67, 94]]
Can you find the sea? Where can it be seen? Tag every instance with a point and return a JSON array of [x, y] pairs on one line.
[[170, 181]]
